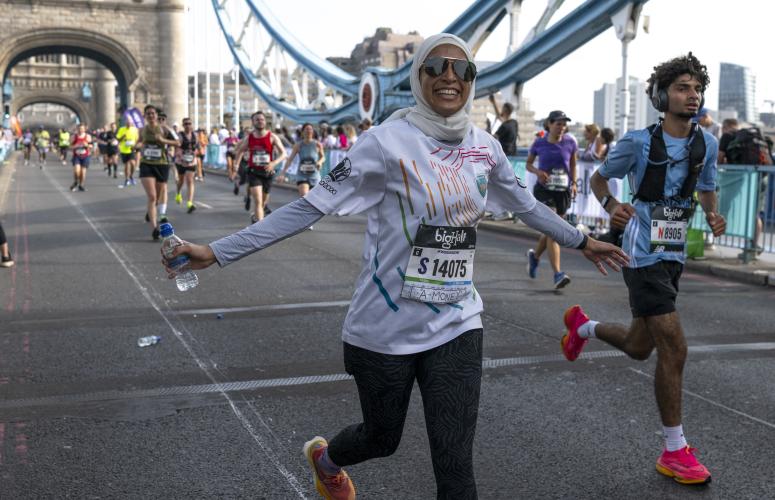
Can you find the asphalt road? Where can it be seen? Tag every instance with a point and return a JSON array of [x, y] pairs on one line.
[[250, 365]]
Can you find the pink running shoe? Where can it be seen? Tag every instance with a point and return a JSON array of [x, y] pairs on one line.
[[683, 467], [571, 343], [336, 487]]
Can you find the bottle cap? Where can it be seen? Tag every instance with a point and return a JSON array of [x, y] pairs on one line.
[[166, 230]]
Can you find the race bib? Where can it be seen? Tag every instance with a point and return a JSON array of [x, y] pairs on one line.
[[80, 151], [188, 157], [558, 180], [307, 167], [441, 265], [129, 143], [152, 152], [113, 142], [668, 229], [261, 158]]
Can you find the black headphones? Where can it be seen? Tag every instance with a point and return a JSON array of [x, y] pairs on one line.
[[661, 102]]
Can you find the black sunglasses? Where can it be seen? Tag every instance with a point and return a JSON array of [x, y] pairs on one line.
[[437, 66]]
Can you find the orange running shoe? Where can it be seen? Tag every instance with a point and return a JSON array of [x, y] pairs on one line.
[[571, 342], [683, 467], [336, 487]]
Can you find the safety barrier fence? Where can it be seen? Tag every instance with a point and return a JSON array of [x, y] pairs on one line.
[[745, 193]]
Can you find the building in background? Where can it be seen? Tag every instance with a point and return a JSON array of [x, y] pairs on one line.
[[385, 49], [606, 106], [737, 91]]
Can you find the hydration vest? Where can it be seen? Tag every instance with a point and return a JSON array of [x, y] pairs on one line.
[[652, 187]]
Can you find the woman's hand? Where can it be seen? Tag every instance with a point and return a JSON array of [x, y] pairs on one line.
[[543, 177], [605, 253], [200, 257]]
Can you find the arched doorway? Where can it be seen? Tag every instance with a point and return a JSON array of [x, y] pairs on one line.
[[76, 107]]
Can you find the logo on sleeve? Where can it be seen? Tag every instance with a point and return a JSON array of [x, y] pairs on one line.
[[481, 183], [341, 171]]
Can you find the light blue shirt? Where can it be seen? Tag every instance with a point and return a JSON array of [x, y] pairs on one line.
[[629, 158]]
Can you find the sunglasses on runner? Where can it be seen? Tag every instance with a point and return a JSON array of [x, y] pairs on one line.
[[437, 66]]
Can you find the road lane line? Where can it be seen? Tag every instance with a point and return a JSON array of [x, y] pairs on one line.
[[268, 307], [273, 457], [714, 403], [251, 385], [202, 204]]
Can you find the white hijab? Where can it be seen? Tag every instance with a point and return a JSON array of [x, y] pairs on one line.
[[452, 128]]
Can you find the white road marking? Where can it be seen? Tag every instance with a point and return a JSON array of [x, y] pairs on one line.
[[268, 307], [179, 334]]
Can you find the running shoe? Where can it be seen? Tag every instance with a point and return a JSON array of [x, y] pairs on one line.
[[571, 342], [253, 219], [683, 467], [236, 189], [81, 188], [191, 207], [532, 264], [267, 210], [6, 261], [132, 181], [561, 280], [163, 218], [247, 203], [155, 233], [336, 487], [74, 186], [179, 198]]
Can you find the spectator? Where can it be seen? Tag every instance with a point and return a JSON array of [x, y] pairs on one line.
[[352, 136], [508, 131], [594, 145], [707, 123], [326, 136], [728, 131], [5, 255], [341, 138], [214, 139], [607, 138], [364, 125]]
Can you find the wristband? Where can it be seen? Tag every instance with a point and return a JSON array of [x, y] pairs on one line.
[[583, 244]]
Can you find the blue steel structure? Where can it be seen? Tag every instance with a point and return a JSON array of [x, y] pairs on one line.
[[390, 89]]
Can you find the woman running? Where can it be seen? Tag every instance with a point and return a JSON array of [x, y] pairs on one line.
[[425, 177], [154, 166], [311, 158]]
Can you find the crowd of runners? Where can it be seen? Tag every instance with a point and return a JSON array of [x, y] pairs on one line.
[[423, 324]]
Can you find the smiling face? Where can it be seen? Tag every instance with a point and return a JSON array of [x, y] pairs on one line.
[[446, 94]]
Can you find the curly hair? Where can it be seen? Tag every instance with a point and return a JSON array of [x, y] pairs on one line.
[[667, 72]]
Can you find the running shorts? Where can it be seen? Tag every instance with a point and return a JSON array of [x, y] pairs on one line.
[[83, 162], [653, 289], [112, 150], [127, 157], [256, 178], [103, 148], [311, 179], [182, 169], [559, 200], [160, 172]]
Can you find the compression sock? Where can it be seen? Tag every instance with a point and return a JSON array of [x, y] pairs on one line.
[[674, 437]]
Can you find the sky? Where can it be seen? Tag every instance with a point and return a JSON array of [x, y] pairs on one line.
[[712, 30]]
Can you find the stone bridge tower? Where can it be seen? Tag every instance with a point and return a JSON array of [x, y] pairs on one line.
[[140, 44]]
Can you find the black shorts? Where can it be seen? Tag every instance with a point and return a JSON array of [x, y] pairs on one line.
[[653, 289], [112, 150], [103, 148], [127, 157], [559, 200], [160, 172], [182, 169], [261, 179], [230, 155]]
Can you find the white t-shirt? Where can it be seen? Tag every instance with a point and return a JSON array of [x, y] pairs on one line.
[[401, 178]]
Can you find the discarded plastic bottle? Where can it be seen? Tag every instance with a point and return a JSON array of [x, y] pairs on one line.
[[185, 278], [146, 341]]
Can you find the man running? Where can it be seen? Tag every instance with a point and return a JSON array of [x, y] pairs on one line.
[[231, 169], [555, 187], [185, 163], [63, 142], [82, 149], [27, 140], [265, 151], [665, 163], [111, 150], [127, 137], [42, 143]]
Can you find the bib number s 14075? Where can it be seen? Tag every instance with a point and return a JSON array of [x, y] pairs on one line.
[[441, 264]]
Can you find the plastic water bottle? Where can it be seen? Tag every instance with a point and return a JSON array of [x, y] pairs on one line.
[[185, 278], [146, 341]]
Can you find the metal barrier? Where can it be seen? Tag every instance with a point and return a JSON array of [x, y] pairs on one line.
[[745, 192]]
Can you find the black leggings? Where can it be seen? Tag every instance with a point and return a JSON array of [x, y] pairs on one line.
[[449, 377], [3, 241]]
